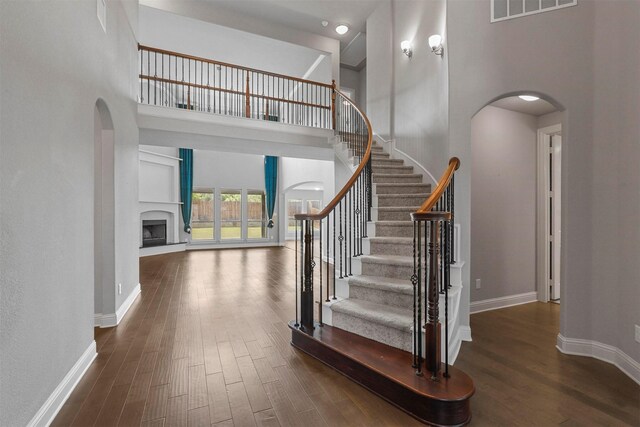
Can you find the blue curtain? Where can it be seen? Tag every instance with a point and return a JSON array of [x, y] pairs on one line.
[[270, 185], [186, 185]]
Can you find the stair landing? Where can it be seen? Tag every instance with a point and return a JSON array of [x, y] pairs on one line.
[[387, 372]]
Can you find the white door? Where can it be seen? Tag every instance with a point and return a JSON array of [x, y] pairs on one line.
[[555, 160]]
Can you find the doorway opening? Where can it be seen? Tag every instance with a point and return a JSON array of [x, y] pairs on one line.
[[549, 212], [515, 202]]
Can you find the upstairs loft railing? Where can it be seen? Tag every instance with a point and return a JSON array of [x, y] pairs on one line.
[[337, 231], [433, 255], [176, 80]]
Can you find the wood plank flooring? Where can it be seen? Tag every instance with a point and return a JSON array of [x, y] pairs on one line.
[[207, 343]]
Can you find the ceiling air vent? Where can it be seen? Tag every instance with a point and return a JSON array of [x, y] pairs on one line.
[[508, 9]]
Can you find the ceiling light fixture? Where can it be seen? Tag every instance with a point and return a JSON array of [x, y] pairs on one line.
[[325, 23], [435, 42], [528, 98], [342, 29], [406, 48]]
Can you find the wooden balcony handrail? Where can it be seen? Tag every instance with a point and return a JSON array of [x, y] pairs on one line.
[[421, 213], [234, 92], [365, 159], [226, 64]]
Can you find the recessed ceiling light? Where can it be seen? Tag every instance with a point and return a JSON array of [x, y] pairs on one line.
[[342, 29], [528, 97], [325, 23]]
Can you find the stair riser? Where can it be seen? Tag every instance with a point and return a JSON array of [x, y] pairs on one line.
[[387, 162], [402, 189], [407, 179], [390, 249], [394, 216], [394, 230], [380, 296], [393, 169], [400, 201], [387, 270], [377, 332]]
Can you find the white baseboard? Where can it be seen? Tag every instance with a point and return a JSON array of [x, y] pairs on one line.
[[600, 351], [113, 319], [166, 249], [52, 405], [502, 302], [465, 333]]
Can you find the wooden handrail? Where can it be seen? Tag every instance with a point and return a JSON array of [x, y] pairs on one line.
[[454, 164], [365, 159], [233, 92], [226, 64]]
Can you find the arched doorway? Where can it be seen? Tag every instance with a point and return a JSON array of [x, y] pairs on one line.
[[105, 287], [515, 201]]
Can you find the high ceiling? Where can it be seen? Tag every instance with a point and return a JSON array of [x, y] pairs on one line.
[[307, 15]]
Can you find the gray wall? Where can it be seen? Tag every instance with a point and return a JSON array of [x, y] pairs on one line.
[[503, 203], [563, 54], [56, 62], [615, 177], [356, 80]]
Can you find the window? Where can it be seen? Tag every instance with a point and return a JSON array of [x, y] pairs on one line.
[[256, 215], [294, 206], [202, 215], [230, 214], [508, 9]]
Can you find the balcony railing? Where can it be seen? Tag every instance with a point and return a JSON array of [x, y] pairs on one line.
[[176, 80]]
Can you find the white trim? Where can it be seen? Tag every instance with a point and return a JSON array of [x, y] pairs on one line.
[[164, 249], [532, 12], [465, 333], [600, 351], [52, 405], [233, 244], [502, 302], [113, 319], [542, 207], [159, 155], [393, 149]]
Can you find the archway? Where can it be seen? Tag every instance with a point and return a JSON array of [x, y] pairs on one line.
[[515, 201], [104, 221]]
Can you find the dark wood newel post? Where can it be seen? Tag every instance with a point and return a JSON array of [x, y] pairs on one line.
[[432, 328], [333, 104], [306, 294]]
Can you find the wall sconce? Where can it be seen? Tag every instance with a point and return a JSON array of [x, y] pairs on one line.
[[435, 42], [406, 48]]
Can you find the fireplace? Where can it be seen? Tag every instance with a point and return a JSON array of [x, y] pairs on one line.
[[154, 233]]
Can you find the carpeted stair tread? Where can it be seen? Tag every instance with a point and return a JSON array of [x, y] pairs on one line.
[[392, 240], [393, 317], [388, 284], [398, 208]]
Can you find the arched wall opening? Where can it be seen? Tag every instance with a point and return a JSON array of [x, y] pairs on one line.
[[515, 201], [104, 217]]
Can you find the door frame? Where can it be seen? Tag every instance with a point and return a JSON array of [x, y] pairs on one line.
[[542, 208]]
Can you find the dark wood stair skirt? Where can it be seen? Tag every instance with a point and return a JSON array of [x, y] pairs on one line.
[[387, 372]]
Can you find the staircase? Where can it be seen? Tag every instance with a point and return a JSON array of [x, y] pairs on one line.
[[376, 301]]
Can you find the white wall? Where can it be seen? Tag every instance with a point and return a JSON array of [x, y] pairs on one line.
[[421, 97], [166, 30], [503, 203], [407, 98], [56, 62], [202, 10], [380, 69]]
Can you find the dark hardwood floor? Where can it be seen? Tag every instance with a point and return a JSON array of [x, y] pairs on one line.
[[207, 343]]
